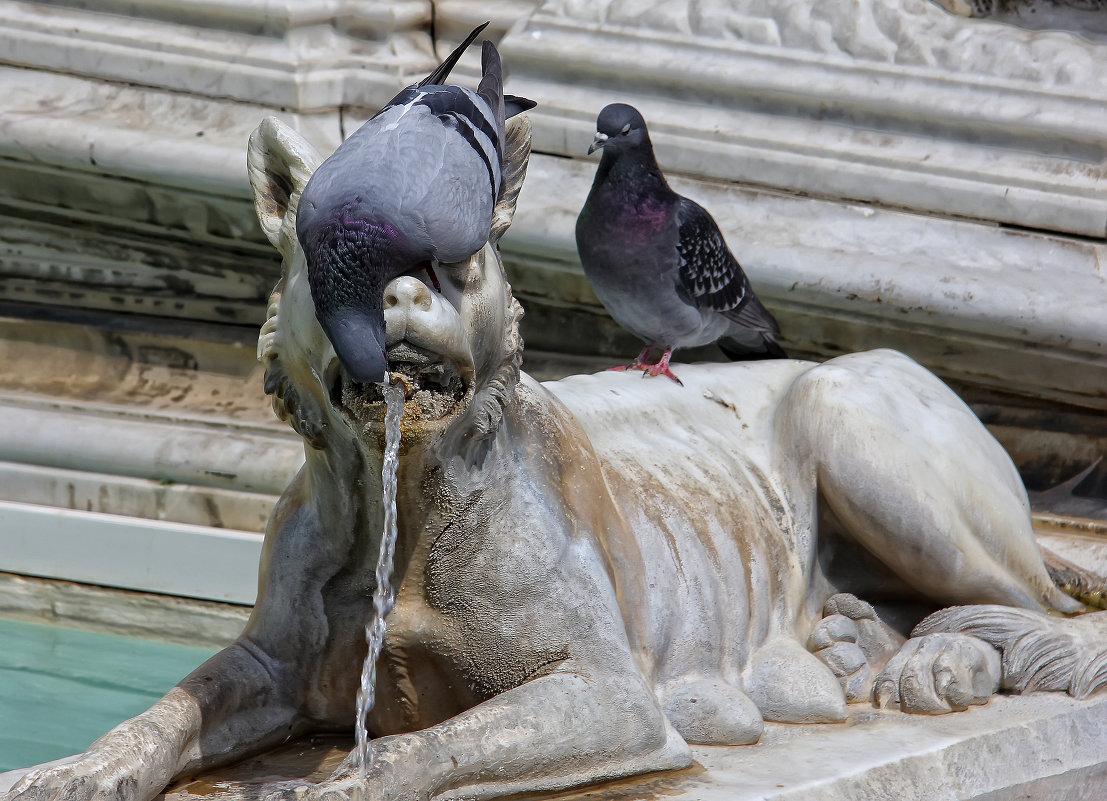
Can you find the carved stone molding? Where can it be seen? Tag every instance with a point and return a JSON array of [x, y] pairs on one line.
[[908, 33], [300, 55], [1084, 17], [896, 103]]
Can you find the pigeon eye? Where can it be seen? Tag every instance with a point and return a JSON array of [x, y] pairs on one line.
[[626, 129]]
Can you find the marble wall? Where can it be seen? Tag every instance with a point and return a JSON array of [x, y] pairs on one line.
[[888, 172]]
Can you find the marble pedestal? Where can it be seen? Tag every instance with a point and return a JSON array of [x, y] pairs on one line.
[[1037, 746]]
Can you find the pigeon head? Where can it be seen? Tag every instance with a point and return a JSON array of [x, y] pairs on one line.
[[351, 257], [618, 128]]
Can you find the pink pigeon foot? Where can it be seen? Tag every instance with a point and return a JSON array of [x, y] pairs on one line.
[[661, 367], [642, 362], [650, 367]]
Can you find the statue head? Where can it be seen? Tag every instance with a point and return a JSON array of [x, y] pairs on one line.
[[454, 345]]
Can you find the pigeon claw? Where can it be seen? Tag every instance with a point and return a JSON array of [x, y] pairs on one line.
[[650, 368], [661, 368]]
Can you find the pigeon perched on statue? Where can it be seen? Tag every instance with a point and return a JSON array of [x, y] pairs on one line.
[[657, 260], [413, 186]]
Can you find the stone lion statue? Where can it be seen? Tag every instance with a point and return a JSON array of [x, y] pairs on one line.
[[595, 572]]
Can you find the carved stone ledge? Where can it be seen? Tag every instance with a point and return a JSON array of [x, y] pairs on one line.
[[171, 140], [302, 55], [187, 621], [123, 190], [140, 423], [135, 200]]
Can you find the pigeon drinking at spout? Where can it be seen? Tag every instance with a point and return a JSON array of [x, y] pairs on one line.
[[657, 260], [413, 186]]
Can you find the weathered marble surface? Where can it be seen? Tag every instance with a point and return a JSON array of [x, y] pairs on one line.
[[303, 54], [185, 621], [1010, 750], [968, 300], [1084, 17], [903, 32]]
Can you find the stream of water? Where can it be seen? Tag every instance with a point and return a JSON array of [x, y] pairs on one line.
[[383, 596]]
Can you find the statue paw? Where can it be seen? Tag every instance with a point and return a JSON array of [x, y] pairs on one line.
[[83, 779], [789, 684], [853, 642], [712, 712], [939, 673], [834, 642]]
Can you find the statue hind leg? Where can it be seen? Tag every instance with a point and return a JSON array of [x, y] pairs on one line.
[[917, 480]]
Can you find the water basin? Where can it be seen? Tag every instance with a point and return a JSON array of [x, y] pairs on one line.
[[61, 688]]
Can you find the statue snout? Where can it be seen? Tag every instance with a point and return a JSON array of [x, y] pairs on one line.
[[415, 314], [406, 294]]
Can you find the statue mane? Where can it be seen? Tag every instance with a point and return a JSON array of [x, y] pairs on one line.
[[490, 399]]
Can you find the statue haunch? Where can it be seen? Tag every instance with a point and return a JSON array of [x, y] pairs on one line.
[[595, 572]]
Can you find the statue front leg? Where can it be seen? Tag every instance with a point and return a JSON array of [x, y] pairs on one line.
[[553, 732]]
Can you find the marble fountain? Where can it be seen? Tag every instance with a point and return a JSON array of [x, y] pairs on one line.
[[692, 592]]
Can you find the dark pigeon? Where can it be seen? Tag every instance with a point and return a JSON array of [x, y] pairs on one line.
[[658, 262], [415, 185]]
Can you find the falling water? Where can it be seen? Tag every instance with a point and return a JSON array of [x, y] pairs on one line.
[[383, 596]]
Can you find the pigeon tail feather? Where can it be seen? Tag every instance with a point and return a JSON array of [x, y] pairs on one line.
[[513, 104], [491, 86], [442, 71], [738, 352], [752, 313]]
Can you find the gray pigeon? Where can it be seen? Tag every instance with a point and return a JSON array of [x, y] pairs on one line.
[[658, 262], [413, 186]]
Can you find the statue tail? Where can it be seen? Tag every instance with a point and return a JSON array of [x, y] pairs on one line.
[[1040, 651], [1085, 586]]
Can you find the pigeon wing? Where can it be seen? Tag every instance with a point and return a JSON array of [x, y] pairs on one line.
[[711, 275]]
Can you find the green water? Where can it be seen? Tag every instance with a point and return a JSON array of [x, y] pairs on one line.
[[62, 688]]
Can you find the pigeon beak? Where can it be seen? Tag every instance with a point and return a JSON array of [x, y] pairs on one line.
[[597, 143], [358, 340]]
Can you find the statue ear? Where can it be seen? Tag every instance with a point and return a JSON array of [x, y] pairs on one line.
[[516, 157], [280, 162]]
